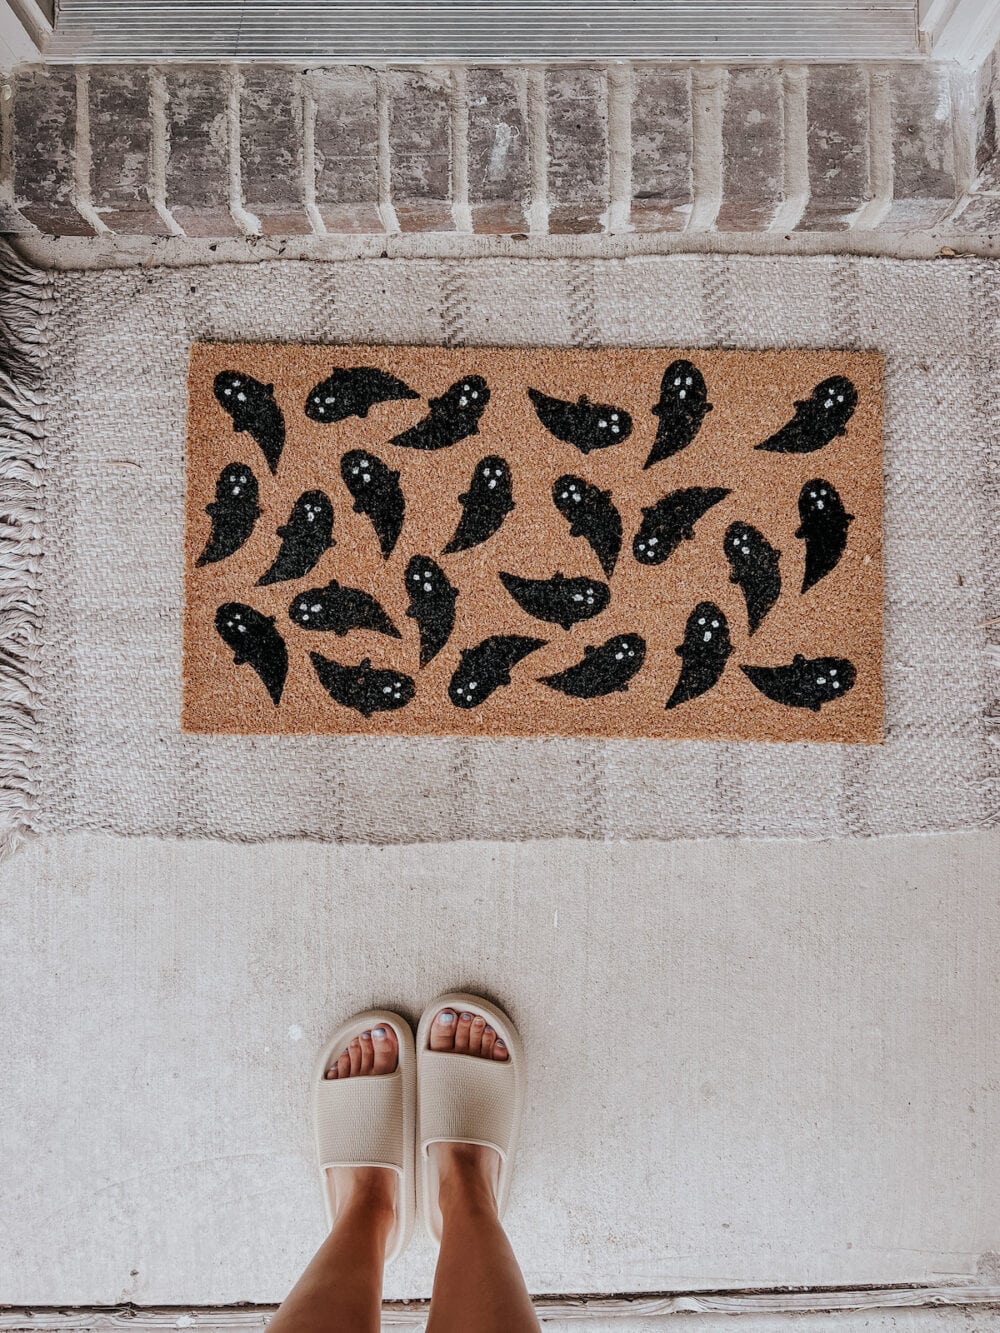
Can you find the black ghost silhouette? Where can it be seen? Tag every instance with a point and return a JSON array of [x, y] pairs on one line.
[[804, 682], [671, 520], [703, 653], [486, 667], [377, 494], [233, 512], [823, 527], [584, 424], [353, 393], [304, 538], [432, 604], [340, 609], [818, 419], [485, 504], [754, 566], [452, 417], [558, 599], [592, 516], [602, 670], [364, 688], [255, 643], [253, 409], [682, 407]]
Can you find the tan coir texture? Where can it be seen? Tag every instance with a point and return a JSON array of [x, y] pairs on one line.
[[753, 394]]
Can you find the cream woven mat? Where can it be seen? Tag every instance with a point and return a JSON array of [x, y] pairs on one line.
[[91, 677]]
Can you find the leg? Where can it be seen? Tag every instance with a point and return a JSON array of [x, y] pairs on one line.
[[341, 1290], [478, 1286]]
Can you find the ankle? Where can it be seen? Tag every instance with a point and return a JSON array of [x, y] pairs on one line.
[[368, 1192], [467, 1173]]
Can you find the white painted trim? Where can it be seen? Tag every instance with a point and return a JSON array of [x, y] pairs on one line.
[[964, 31], [17, 42], [653, 1311], [34, 19]]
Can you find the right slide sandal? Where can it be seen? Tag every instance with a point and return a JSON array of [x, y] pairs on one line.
[[466, 1099]]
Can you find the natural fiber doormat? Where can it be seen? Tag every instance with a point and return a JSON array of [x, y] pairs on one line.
[[94, 567], [622, 543]]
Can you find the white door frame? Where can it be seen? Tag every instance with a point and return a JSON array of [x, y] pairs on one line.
[[965, 31]]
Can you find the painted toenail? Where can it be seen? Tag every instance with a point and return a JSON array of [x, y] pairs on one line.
[[466, 1018], [501, 1042], [489, 1032], [366, 1036], [378, 1032], [446, 1018]]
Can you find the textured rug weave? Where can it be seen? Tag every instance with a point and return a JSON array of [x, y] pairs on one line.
[[92, 555], [689, 550]]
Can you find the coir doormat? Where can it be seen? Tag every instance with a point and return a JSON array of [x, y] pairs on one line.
[[421, 540]]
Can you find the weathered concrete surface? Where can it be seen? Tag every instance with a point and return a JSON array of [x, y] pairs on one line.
[[750, 1065], [981, 214]]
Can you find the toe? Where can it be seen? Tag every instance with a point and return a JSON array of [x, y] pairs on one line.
[[332, 1071], [367, 1052], [344, 1065], [476, 1035], [443, 1031], [354, 1048], [489, 1037], [462, 1031], [499, 1050], [386, 1050]]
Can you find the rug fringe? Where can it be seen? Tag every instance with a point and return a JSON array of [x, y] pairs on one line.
[[26, 296]]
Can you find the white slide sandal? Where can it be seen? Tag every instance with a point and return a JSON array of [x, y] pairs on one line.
[[369, 1120], [466, 1099]]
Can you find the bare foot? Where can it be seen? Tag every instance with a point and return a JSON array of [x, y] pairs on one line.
[[467, 1164], [371, 1187]]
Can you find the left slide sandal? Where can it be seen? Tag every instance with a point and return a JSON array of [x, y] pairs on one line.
[[369, 1120]]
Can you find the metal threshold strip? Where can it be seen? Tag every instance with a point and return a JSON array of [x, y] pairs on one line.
[[408, 30]]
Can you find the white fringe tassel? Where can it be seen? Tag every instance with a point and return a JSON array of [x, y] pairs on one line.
[[26, 297]]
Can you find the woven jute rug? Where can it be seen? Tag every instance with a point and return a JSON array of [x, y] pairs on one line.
[[93, 557]]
